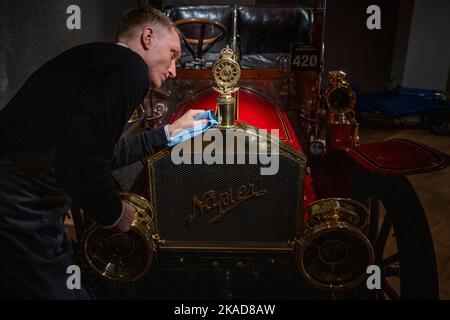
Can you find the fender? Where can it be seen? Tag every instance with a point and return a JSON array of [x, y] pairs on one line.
[[334, 174], [397, 157]]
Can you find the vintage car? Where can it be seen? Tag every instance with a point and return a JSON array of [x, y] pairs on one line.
[[318, 228]]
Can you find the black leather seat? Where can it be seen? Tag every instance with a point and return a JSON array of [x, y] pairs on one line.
[[265, 33]]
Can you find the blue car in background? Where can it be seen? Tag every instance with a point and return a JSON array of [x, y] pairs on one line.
[[432, 106]]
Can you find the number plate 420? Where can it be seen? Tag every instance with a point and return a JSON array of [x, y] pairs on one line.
[[305, 57]]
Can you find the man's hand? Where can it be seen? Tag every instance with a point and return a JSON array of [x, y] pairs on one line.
[[186, 121], [127, 218]]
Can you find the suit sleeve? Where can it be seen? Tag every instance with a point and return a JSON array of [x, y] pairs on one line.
[[85, 153], [141, 145]]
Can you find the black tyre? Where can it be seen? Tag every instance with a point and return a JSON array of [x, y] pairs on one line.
[[395, 210], [439, 122]]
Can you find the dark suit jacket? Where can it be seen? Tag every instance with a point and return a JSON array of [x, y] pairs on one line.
[[75, 107]]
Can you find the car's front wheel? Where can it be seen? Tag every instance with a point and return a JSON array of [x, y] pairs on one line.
[[400, 235], [439, 122]]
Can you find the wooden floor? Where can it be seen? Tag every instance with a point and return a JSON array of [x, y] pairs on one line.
[[432, 188]]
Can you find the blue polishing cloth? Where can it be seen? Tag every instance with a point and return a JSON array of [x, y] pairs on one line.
[[195, 130]]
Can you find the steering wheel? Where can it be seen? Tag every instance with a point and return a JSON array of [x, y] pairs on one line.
[[200, 40]]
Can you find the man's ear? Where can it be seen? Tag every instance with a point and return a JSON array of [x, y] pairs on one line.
[[147, 37]]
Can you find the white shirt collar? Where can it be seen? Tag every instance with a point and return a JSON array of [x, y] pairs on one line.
[[122, 44]]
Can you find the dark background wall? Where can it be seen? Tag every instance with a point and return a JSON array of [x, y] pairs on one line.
[[366, 55], [428, 55], [412, 47], [32, 32]]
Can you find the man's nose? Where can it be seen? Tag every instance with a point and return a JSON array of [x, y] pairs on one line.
[[173, 69]]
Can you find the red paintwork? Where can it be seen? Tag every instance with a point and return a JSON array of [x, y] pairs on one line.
[[309, 193], [335, 174], [253, 109], [206, 101], [397, 156], [257, 111], [340, 135]]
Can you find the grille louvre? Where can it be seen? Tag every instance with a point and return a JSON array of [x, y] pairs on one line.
[[268, 219]]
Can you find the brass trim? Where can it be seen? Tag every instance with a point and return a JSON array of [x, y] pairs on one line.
[[338, 84], [201, 206], [159, 155], [236, 110], [283, 122], [289, 151], [248, 124], [226, 73], [252, 90], [313, 233], [286, 150], [352, 201], [278, 108], [201, 93], [143, 225], [300, 228], [246, 74], [205, 91], [155, 157], [244, 246], [160, 93], [317, 208], [334, 215]]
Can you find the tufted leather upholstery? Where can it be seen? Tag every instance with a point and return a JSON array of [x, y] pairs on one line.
[[265, 33], [271, 30]]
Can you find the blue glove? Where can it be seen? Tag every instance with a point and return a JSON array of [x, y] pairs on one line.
[[195, 130]]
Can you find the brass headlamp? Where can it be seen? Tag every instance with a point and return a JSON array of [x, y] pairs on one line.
[[123, 257], [334, 251], [339, 97]]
